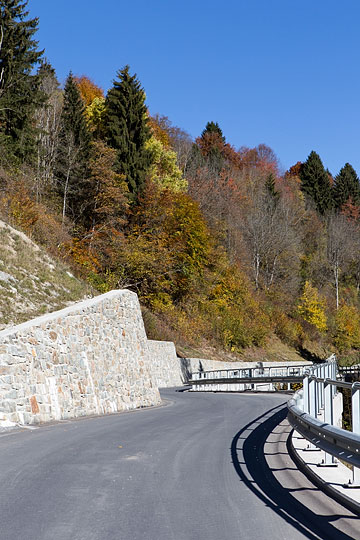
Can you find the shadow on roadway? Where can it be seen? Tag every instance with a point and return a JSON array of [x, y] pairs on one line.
[[266, 487]]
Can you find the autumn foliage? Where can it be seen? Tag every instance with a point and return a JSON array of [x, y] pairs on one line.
[[222, 248]]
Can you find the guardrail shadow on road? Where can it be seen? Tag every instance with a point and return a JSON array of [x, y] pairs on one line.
[[250, 461]]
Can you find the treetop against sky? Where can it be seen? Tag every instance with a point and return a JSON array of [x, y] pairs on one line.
[[283, 73]]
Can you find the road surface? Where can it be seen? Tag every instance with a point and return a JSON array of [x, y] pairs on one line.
[[201, 467]]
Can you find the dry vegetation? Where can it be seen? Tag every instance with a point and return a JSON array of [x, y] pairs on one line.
[[31, 283]]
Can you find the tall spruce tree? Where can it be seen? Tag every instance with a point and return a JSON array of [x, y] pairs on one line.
[[315, 183], [212, 142], [20, 91], [346, 186], [127, 129], [270, 187], [213, 127], [73, 154]]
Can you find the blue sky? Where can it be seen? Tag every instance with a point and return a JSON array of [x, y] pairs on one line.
[[281, 72]]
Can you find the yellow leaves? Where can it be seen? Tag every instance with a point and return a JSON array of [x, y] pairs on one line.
[[164, 170], [94, 113], [347, 328], [312, 308], [235, 315]]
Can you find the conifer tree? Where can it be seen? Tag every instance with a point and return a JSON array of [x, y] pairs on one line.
[[346, 186], [127, 129], [73, 153], [19, 86], [212, 143], [315, 183], [213, 127], [270, 187]]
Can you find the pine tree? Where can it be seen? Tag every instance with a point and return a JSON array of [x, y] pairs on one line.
[[19, 86], [213, 127], [73, 153], [270, 187], [346, 186], [127, 129], [212, 143], [315, 183]]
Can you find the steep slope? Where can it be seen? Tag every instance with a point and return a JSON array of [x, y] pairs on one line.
[[31, 283]]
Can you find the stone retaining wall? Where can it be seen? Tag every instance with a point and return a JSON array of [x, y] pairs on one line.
[[90, 358], [165, 365]]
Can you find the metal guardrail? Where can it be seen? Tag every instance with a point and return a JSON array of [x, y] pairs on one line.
[[255, 375], [311, 413], [351, 370]]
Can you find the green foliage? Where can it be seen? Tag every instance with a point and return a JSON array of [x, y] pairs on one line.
[[346, 186], [312, 308], [132, 202], [73, 152], [316, 184], [270, 187], [19, 87], [127, 129]]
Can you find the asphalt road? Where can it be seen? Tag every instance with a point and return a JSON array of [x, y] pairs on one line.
[[202, 467]]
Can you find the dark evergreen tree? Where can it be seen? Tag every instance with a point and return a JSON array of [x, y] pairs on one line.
[[213, 127], [127, 129], [346, 186], [270, 187], [73, 154], [212, 143], [315, 183], [19, 86]]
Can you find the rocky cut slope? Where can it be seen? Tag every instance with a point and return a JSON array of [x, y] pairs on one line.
[[31, 283]]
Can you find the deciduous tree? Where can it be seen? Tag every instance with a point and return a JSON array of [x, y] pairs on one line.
[[47, 118]]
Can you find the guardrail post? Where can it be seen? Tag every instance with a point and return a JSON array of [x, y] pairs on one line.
[[306, 394], [312, 405], [321, 388], [333, 376], [312, 397], [355, 418], [328, 460]]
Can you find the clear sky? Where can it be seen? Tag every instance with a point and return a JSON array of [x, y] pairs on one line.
[[281, 72]]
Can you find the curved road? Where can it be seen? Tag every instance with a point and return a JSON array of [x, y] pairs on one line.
[[202, 467]]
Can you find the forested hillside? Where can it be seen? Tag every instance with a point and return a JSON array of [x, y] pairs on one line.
[[224, 249]]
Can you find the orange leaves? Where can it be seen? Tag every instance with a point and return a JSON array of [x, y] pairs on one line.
[[20, 207], [88, 89], [159, 133], [351, 210], [80, 253]]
